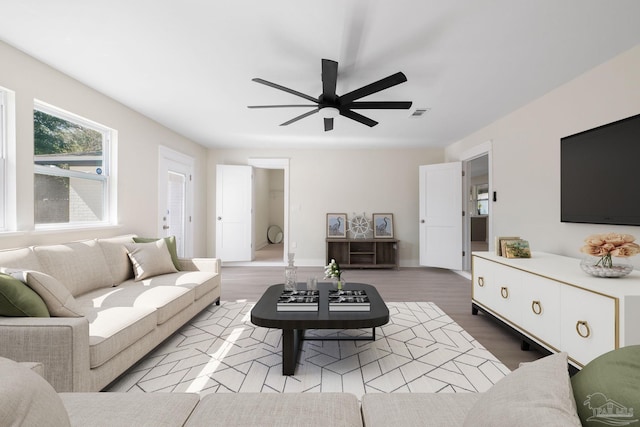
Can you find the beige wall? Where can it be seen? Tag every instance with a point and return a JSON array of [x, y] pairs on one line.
[[525, 164], [341, 181], [526, 153], [137, 159]]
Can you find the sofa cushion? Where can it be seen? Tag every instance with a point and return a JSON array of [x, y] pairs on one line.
[[129, 409], [23, 258], [115, 253], [416, 409], [19, 300], [112, 329], [171, 245], [55, 295], [150, 259], [167, 300], [80, 266], [277, 409], [27, 399], [537, 393], [202, 282], [609, 381]]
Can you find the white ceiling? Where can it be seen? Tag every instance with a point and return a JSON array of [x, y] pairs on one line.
[[188, 64]]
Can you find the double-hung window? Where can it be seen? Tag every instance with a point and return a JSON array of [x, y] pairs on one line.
[[72, 169]]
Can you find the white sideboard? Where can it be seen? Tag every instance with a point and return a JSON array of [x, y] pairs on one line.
[[550, 300]]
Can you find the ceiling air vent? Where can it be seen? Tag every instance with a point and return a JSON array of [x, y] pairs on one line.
[[419, 112]]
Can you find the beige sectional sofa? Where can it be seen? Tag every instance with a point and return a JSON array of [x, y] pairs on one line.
[[107, 311], [604, 392], [26, 399]]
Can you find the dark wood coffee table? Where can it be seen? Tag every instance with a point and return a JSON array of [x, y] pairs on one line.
[[294, 323]]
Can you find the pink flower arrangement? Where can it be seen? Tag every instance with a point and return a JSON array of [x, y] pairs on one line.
[[610, 245]]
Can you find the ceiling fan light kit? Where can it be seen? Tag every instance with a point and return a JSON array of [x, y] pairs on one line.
[[330, 105]]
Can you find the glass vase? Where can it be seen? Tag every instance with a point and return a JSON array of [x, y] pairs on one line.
[[597, 268]]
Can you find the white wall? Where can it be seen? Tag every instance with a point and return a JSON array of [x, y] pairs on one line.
[[526, 154], [341, 181], [138, 141]]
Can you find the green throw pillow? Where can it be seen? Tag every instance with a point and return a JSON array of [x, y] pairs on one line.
[[171, 244], [607, 390], [19, 300]]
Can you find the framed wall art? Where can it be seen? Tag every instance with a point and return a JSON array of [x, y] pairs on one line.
[[336, 225], [383, 226]]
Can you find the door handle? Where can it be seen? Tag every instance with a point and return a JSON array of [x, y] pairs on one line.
[[219, 218], [422, 221], [165, 227]]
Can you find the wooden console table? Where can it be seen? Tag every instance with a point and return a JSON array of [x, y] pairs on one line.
[[363, 253]]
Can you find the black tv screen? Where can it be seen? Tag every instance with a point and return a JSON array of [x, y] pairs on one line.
[[600, 174]]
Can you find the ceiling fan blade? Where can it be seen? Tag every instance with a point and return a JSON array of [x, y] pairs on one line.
[[329, 80], [358, 117], [379, 105], [301, 116], [285, 89], [328, 124], [281, 106], [387, 82]]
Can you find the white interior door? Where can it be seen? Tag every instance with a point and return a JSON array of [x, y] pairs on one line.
[[234, 213], [441, 217], [175, 198]]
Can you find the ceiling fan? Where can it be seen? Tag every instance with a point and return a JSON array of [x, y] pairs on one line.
[[329, 102]]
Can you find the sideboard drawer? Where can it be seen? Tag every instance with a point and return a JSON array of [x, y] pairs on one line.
[[588, 324], [499, 289], [541, 309]]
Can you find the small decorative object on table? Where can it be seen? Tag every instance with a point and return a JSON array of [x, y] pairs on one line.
[[360, 226], [356, 300], [602, 247], [383, 226], [516, 248], [332, 271], [304, 300], [290, 277]]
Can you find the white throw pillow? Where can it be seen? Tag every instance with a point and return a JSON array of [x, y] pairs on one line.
[[55, 295], [150, 259], [536, 394], [27, 399]]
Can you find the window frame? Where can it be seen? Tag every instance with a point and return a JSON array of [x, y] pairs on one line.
[[106, 177], [8, 186]]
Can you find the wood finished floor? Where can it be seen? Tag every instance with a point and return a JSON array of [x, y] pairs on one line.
[[450, 291]]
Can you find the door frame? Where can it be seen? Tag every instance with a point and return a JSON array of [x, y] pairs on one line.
[[167, 156], [473, 153], [278, 163]]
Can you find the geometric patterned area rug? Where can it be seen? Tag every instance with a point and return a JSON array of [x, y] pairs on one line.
[[421, 349]]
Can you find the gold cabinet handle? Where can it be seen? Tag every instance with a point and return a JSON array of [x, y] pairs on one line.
[[481, 281], [504, 291], [583, 325], [536, 307]]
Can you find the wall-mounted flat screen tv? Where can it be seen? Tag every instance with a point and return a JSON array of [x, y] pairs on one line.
[[600, 174]]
